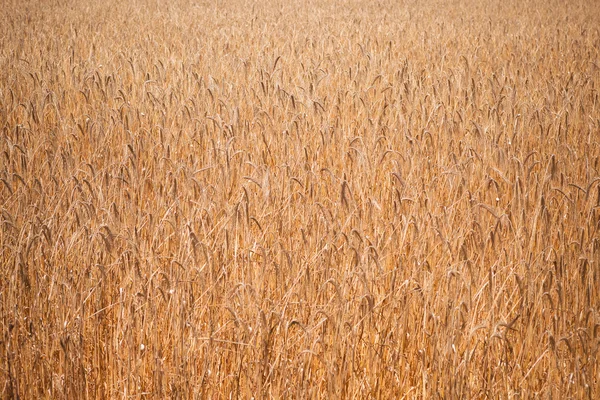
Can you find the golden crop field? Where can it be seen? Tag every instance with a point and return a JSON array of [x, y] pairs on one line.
[[299, 199]]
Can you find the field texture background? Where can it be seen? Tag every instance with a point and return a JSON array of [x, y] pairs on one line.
[[316, 199]]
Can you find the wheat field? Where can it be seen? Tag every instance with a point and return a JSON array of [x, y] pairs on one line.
[[299, 199]]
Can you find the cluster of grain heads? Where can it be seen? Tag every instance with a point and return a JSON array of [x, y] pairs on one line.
[[346, 200]]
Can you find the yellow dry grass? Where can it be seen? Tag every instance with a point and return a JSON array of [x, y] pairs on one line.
[[316, 199]]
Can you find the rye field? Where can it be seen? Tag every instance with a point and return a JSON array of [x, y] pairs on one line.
[[299, 199]]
